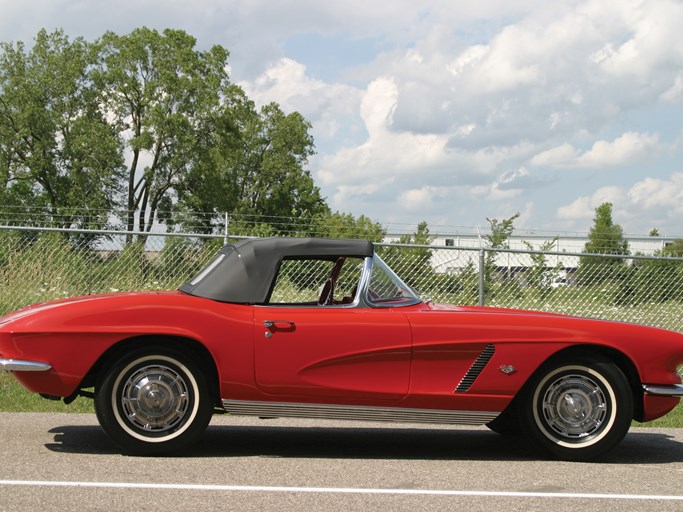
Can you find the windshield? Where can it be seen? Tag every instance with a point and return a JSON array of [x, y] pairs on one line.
[[386, 288]]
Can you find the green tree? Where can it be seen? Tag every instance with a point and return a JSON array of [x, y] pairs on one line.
[[279, 153], [653, 280], [674, 249], [539, 275], [258, 169], [500, 233], [159, 91], [57, 150], [607, 238]]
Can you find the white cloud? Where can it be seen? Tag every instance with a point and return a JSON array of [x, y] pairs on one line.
[[526, 215], [348, 193], [581, 209], [654, 40], [584, 207], [560, 156], [556, 64], [321, 103], [660, 194], [508, 185], [378, 105], [629, 148], [385, 153], [417, 200], [675, 92]]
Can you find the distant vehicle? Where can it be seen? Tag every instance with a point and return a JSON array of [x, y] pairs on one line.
[[555, 279], [319, 328]]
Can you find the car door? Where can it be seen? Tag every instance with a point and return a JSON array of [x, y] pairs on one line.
[[332, 351]]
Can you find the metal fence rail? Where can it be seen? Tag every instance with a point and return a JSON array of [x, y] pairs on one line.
[[38, 264]]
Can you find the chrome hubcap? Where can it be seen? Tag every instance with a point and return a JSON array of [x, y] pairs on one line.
[[574, 407], [155, 398]]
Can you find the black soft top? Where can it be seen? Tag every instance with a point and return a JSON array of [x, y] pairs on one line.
[[244, 272]]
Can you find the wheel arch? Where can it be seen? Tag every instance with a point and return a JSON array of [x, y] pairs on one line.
[[189, 346]]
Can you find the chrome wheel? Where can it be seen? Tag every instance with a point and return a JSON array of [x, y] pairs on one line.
[[575, 407], [155, 398]]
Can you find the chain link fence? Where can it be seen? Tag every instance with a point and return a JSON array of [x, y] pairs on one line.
[[39, 264]]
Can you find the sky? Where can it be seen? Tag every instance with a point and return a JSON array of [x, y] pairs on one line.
[[449, 112]]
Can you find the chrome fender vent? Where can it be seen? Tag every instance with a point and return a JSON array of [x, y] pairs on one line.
[[476, 368]]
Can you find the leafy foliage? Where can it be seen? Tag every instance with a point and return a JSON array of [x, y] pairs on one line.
[[497, 239], [160, 91], [56, 147], [654, 281], [345, 225], [258, 169], [539, 275], [605, 237], [674, 250]]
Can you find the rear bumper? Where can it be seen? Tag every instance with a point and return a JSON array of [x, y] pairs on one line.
[[674, 390], [17, 365]]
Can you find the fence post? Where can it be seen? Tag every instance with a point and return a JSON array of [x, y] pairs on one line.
[[482, 257], [227, 225], [91, 273]]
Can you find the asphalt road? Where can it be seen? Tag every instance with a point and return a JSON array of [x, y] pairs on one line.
[[65, 462]]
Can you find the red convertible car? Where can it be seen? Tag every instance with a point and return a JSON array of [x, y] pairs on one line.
[[321, 328]]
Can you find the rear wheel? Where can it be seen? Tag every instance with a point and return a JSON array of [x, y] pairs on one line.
[[153, 401], [578, 408]]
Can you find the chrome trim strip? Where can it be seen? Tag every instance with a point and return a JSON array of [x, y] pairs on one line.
[[674, 390], [17, 365], [364, 280], [357, 412]]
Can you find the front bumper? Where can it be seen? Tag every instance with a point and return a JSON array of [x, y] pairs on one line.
[[17, 365], [673, 391]]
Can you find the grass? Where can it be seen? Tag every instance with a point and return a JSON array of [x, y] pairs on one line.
[[14, 398]]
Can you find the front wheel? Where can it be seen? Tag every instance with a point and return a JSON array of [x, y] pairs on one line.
[[153, 401], [577, 409]]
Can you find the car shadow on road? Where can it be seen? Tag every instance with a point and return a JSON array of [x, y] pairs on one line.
[[81, 439], [639, 447]]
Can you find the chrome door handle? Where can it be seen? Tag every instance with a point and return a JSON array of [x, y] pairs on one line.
[[274, 323]]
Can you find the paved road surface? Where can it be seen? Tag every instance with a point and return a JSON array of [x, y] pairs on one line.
[[64, 461]]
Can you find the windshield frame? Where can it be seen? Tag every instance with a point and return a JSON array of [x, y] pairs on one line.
[[408, 297]]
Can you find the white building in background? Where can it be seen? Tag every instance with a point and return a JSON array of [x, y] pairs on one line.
[[461, 250]]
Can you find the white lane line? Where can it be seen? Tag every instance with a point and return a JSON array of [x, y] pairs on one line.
[[339, 490]]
